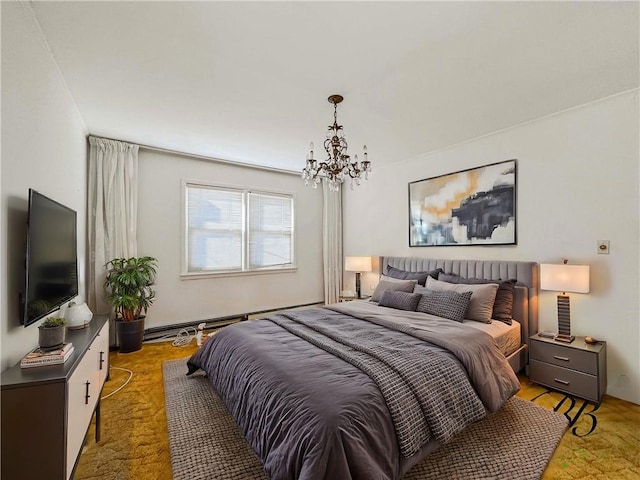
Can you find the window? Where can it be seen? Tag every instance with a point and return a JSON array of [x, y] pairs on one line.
[[235, 230]]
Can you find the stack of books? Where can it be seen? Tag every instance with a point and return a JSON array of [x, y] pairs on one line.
[[38, 357]]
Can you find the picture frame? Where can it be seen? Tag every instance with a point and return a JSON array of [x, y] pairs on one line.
[[476, 206]]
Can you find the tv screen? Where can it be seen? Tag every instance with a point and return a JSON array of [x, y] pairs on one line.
[[51, 261]]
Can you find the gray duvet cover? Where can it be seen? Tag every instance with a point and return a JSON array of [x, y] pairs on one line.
[[353, 391]]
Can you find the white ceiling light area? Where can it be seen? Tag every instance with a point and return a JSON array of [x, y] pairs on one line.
[[249, 81]]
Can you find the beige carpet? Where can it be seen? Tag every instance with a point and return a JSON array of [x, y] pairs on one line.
[[205, 443]]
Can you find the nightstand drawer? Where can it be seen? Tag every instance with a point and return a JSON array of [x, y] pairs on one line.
[[565, 380], [565, 356]]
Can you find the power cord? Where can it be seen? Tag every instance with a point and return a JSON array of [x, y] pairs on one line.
[[182, 338], [185, 335], [121, 386]]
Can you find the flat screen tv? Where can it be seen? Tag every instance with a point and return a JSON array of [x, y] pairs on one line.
[[51, 257]]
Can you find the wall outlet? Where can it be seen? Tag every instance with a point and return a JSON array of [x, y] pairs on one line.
[[603, 247]]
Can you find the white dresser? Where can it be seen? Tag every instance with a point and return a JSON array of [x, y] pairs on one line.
[[46, 411]]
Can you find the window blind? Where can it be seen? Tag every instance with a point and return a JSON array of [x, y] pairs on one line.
[[270, 230], [214, 226], [230, 230]]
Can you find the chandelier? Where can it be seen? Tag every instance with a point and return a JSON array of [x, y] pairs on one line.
[[338, 166]]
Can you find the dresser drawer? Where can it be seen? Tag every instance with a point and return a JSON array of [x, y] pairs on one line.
[[565, 356], [565, 380]]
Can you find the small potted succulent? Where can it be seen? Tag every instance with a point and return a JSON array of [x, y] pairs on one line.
[[51, 333]]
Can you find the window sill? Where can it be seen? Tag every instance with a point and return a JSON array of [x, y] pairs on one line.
[[203, 275]]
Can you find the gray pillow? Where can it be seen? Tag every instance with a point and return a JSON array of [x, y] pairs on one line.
[[447, 304], [503, 304], [482, 298], [421, 277], [400, 300], [397, 285]]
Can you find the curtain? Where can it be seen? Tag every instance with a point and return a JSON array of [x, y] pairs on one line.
[[112, 210], [332, 243]]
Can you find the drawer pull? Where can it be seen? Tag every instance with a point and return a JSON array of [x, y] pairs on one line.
[[564, 359], [563, 382], [86, 395], [101, 359]]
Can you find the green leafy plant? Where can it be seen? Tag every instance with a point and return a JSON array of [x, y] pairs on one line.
[[128, 285], [52, 322]]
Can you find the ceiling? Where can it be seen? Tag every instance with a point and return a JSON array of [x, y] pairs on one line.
[[249, 81]]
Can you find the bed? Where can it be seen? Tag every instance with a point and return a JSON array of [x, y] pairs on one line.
[[362, 391], [525, 302]]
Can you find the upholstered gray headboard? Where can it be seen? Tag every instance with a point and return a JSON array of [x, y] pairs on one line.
[[525, 305]]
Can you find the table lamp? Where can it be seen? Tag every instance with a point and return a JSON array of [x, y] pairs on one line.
[[564, 278], [358, 265]]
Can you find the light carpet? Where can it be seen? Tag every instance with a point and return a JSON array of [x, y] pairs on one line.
[[205, 442]]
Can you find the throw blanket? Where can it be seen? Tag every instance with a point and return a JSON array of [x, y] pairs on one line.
[[423, 385], [488, 370], [315, 413]]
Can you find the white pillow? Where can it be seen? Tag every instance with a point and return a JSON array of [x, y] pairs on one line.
[[482, 297], [385, 278]]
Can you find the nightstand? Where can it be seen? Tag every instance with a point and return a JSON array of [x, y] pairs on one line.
[[575, 368]]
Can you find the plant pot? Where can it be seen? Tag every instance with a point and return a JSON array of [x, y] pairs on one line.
[[130, 335], [50, 338]]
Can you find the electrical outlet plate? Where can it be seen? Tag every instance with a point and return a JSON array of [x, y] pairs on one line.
[[603, 247]]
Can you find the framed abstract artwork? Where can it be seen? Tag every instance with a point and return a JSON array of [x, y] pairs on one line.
[[470, 207]]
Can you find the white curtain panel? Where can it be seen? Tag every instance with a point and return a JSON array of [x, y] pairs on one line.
[[332, 243], [112, 207]]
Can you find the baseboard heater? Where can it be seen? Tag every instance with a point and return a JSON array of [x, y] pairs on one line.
[[155, 333]]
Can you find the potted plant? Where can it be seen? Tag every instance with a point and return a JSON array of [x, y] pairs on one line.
[[51, 334], [128, 286]]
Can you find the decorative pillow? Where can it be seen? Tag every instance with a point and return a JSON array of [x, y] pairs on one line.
[[397, 285], [384, 278], [503, 305], [447, 304], [453, 278], [421, 277], [400, 300], [482, 298]]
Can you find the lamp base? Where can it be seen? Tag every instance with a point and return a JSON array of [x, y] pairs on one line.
[[564, 320], [564, 338]]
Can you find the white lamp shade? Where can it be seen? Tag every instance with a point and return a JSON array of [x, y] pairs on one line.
[[357, 264], [564, 278]]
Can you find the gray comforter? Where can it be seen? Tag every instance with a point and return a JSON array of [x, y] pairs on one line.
[[353, 390]]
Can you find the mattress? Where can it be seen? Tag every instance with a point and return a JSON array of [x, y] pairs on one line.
[[506, 336]]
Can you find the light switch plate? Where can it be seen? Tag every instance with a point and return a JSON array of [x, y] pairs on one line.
[[603, 247]]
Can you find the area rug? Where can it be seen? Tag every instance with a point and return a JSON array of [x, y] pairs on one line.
[[515, 443]]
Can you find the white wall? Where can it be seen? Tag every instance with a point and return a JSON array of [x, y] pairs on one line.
[[43, 147], [578, 175], [160, 230]]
